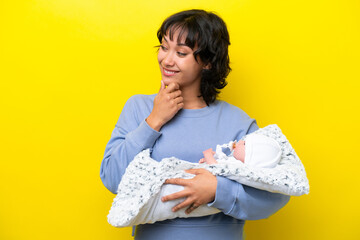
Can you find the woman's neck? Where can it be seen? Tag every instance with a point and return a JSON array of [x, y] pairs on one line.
[[192, 99]]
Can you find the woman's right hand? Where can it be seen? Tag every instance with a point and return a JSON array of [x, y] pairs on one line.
[[166, 104]]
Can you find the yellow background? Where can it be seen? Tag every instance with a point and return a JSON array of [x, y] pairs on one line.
[[68, 66]]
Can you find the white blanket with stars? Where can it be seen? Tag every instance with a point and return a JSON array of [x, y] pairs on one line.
[[138, 200]]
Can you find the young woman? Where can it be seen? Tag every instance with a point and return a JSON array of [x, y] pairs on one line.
[[182, 120]]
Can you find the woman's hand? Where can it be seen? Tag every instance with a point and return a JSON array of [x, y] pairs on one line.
[[199, 190], [166, 104]]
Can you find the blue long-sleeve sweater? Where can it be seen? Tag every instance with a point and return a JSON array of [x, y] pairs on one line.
[[186, 136]]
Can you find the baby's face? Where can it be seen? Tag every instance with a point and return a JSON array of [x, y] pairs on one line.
[[239, 150]]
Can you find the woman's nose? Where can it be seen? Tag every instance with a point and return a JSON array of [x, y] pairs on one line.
[[168, 59]]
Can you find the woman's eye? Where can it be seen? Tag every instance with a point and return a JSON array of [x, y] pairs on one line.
[[163, 47], [181, 54]]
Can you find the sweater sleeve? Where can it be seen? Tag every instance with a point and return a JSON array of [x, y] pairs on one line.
[[131, 135], [244, 202]]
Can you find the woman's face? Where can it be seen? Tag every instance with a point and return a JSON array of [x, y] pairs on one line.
[[177, 62]]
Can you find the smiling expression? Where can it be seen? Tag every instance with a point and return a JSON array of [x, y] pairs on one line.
[[177, 62]]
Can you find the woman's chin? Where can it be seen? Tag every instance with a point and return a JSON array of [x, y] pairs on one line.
[[168, 80]]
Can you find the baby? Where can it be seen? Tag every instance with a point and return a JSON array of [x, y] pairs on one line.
[[256, 150], [261, 151]]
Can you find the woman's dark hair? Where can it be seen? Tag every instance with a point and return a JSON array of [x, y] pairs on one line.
[[209, 34]]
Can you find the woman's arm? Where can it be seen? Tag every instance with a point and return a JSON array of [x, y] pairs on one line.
[[244, 202], [137, 129], [131, 135], [230, 197]]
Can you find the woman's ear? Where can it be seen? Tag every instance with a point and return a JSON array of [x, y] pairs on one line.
[[207, 66]]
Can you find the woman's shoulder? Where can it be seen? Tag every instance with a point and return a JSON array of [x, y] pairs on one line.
[[236, 118], [140, 100], [138, 104], [230, 109], [136, 108]]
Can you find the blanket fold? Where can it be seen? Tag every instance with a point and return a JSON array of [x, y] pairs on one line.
[[141, 187]]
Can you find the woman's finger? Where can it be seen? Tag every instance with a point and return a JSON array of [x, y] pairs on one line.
[[172, 87], [185, 203], [173, 196], [180, 106], [178, 100], [177, 181], [195, 171], [191, 208], [175, 94], [162, 87]]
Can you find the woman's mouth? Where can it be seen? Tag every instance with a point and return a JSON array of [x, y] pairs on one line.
[[169, 73]]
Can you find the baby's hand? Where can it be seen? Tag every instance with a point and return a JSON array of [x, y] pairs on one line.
[[208, 152], [208, 157]]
